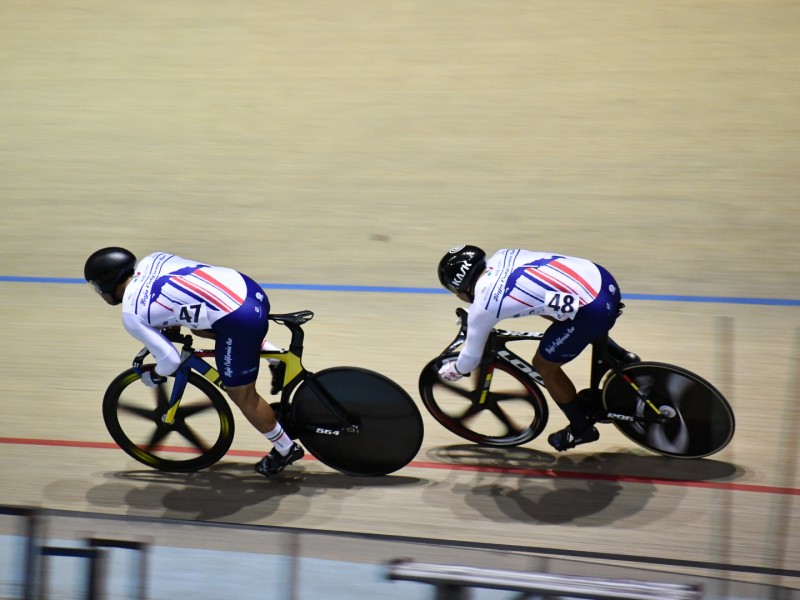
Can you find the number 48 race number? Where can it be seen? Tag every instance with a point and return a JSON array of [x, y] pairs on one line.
[[561, 305]]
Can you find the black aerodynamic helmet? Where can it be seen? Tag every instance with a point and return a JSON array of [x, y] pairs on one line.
[[459, 267], [108, 267]]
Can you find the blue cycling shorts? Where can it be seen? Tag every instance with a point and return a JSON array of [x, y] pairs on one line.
[[239, 337], [565, 340]]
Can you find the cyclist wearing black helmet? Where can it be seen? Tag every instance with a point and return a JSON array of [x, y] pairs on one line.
[[581, 299], [163, 291]]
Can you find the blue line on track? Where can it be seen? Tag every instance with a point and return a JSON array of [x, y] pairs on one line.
[[314, 287]]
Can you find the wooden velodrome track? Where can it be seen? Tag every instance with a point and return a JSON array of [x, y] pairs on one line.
[[350, 143]]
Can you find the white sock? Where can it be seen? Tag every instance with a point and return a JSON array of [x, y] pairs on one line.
[[279, 438]]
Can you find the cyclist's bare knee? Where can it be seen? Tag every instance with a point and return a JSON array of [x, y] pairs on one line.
[[544, 366], [242, 392], [246, 396]]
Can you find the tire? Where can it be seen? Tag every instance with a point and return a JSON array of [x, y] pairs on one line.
[[703, 423], [390, 424], [201, 434], [513, 413]]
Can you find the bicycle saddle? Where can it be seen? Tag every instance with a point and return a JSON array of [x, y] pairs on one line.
[[295, 318]]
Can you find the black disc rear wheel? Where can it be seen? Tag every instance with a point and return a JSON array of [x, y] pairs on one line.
[[701, 422], [512, 412], [200, 435], [389, 423]]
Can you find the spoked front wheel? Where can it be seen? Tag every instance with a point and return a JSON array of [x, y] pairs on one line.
[[510, 412], [200, 435], [389, 424], [699, 423]]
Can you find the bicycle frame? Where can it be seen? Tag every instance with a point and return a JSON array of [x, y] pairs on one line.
[[293, 374], [602, 364], [496, 348]]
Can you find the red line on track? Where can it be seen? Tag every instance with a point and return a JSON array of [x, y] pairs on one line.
[[523, 472]]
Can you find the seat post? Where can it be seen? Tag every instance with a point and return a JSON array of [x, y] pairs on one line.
[[296, 342], [600, 363]]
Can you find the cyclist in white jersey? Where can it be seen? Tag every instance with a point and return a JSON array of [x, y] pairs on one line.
[[581, 299], [162, 291]]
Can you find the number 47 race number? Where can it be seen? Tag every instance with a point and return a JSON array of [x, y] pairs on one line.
[[194, 316]]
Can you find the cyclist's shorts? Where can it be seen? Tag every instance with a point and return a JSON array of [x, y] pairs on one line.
[[239, 337], [564, 340]]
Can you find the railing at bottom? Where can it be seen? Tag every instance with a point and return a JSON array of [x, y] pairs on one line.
[[37, 558], [453, 582]]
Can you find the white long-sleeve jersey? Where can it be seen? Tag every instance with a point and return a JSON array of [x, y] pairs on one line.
[[168, 290], [519, 283]]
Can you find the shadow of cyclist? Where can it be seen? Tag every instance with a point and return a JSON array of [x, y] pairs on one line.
[[203, 495], [585, 502], [525, 485], [224, 490]]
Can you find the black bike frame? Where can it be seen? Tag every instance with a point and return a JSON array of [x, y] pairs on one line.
[[294, 375], [496, 348]]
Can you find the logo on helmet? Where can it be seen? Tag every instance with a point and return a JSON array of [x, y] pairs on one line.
[[462, 272], [456, 250]]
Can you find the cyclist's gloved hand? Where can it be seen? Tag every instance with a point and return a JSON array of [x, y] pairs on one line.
[[448, 372], [152, 379]]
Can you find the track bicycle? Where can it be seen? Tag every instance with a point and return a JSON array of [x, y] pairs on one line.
[[351, 419], [661, 407]]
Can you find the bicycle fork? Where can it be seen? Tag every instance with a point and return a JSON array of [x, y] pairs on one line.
[[486, 377], [487, 372], [189, 361]]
